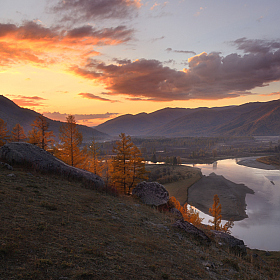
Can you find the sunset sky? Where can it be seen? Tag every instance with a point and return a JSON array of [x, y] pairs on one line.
[[97, 59]]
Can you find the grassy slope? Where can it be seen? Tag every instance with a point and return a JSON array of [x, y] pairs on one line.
[[55, 229], [186, 175]]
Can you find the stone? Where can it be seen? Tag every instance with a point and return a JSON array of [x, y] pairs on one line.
[[28, 155], [235, 245], [191, 229], [151, 193], [6, 165]]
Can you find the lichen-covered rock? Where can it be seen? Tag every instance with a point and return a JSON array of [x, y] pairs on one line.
[[191, 229], [235, 245], [151, 193], [25, 154]]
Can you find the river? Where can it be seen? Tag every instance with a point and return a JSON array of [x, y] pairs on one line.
[[262, 227]]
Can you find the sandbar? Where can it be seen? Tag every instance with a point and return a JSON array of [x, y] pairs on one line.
[[252, 162], [232, 196]]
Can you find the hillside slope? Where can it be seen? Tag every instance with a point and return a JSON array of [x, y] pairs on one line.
[[174, 122], [54, 229], [264, 120], [141, 124], [13, 114], [204, 121]]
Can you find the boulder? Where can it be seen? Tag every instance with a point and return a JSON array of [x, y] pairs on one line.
[[234, 244], [177, 213], [191, 229], [25, 154], [151, 193]]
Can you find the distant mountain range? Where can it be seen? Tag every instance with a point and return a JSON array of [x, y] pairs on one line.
[[256, 118], [13, 114]]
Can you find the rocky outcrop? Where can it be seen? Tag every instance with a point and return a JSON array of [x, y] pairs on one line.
[[191, 229], [25, 154], [151, 193], [235, 245]]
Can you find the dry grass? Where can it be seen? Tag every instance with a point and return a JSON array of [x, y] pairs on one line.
[[270, 160], [185, 177], [55, 229]]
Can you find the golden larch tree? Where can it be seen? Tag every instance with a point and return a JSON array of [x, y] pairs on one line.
[[33, 136], [215, 212], [108, 170], [121, 163], [40, 134], [94, 162], [138, 171], [18, 134], [4, 133], [71, 139]]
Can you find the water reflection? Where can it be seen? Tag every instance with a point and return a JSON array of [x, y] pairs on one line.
[[261, 228], [215, 165]]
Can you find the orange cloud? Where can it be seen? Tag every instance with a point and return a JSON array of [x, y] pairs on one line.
[[270, 94], [39, 45], [28, 101]]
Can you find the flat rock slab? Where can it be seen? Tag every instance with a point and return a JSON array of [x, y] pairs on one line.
[[25, 154], [231, 195]]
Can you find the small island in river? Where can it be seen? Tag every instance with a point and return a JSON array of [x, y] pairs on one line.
[[232, 196]]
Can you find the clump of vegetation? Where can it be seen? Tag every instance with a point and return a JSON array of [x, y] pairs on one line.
[[216, 222], [188, 212]]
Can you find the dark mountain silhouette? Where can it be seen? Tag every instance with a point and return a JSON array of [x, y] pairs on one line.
[[13, 114], [264, 120], [176, 122], [256, 118], [142, 123], [204, 121]]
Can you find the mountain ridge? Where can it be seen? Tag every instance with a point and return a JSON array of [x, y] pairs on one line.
[[249, 119], [12, 114], [202, 121]]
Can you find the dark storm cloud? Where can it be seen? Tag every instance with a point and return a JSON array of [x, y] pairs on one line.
[[208, 76], [84, 10]]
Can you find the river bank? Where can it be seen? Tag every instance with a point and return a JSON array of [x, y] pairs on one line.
[[252, 162]]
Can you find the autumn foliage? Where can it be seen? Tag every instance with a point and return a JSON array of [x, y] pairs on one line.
[[188, 212], [128, 165], [18, 134], [4, 137], [40, 134], [71, 139], [216, 222]]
